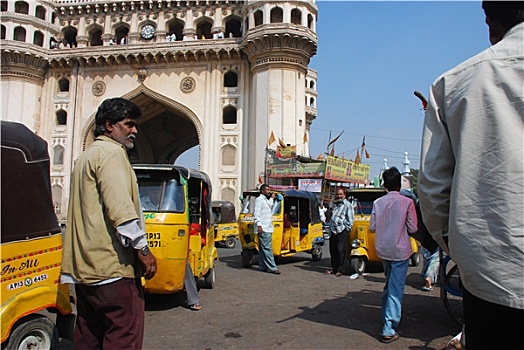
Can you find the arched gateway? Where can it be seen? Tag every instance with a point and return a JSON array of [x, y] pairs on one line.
[[166, 129], [221, 75]]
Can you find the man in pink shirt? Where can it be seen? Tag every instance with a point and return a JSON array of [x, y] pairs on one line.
[[393, 218]]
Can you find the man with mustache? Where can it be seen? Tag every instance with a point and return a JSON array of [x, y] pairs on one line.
[[105, 251]]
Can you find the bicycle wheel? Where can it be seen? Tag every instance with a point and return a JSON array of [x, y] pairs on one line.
[[452, 294]]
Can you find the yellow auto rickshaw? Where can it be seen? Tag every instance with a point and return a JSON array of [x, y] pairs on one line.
[[176, 202], [226, 225], [296, 220], [31, 247], [361, 240]]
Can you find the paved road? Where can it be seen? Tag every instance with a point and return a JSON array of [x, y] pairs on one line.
[[304, 308]]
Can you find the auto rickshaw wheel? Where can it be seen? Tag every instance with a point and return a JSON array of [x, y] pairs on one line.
[[35, 332], [358, 265], [210, 279], [415, 259], [230, 242], [316, 253], [248, 258]]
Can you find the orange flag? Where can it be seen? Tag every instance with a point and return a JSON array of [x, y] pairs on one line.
[[305, 137], [357, 158], [271, 139], [332, 153], [320, 156], [281, 142], [367, 154], [260, 179]]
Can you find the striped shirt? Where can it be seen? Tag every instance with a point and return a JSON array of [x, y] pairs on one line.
[[342, 217]]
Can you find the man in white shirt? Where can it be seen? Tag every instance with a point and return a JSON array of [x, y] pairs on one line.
[[471, 183], [264, 226]]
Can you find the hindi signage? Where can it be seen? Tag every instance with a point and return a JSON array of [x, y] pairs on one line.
[[343, 170]]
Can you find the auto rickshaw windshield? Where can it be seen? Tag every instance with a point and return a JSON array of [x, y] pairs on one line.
[[161, 195]]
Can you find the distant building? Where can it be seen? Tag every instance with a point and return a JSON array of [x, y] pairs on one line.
[[225, 96]]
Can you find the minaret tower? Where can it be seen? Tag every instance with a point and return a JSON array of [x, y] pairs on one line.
[[28, 28], [279, 42], [406, 162]]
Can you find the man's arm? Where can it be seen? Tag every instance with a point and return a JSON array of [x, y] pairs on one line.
[[256, 215], [437, 165], [411, 219]]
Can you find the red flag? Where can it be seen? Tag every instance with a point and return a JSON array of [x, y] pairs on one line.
[[357, 158], [367, 154]]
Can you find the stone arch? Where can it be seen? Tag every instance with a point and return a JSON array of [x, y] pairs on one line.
[[144, 96], [233, 26], [258, 17], [276, 15], [120, 30], [229, 115], [176, 26], [228, 194], [203, 28], [56, 195], [310, 21], [40, 12], [22, 7], [58, 155], [228, 155], [94, 33], [296, 16], [38, 38], [231, 79], [63, 85], [69, 34], [61, 117], [19, 34]]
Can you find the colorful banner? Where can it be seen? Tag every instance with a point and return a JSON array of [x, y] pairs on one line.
[[311, 185], [309, 170], [343, 170], [286, 152]]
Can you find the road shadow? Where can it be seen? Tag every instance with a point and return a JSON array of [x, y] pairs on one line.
[[418, 316], [161, 302]]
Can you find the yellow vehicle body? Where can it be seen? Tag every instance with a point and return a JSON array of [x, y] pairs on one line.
[[30, 280], [179, 228], [31, 246], [361, 241], [226, 225], [303, 232]]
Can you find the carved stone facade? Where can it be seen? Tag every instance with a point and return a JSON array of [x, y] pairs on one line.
[[217, 74]]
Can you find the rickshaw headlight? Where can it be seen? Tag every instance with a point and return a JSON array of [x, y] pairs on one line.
[[355, 243]]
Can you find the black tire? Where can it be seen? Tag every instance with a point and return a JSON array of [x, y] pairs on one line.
[[34, 332], [210, 279], [248, 258], [230, 242], [358, 265], [316, 253], [452, 295], [415, 259]]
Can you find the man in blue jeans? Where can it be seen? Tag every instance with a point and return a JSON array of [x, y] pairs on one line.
[[264, 226], [393, 218]]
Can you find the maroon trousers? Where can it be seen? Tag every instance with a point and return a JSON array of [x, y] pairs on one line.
[[110, 316]]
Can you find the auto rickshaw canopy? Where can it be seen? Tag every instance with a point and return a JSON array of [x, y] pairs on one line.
[[27, 205], [227, 211]]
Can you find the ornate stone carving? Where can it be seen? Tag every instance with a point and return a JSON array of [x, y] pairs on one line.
[[187, 85], [99, 88]]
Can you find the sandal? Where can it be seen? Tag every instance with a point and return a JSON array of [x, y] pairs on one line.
[[389, 338], [338, 274], [330, 272], [427, 289], [195, 307]]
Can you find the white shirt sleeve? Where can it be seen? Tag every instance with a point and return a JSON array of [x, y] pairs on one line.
[[131, 232]]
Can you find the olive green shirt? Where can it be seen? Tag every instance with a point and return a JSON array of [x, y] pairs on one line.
[[103, 195]]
